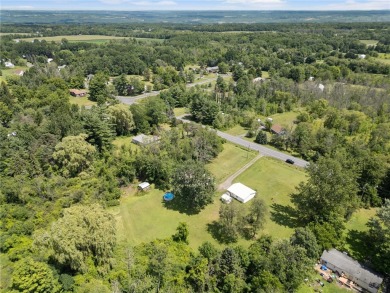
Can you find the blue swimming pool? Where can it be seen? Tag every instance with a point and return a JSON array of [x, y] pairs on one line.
[[168, 196]]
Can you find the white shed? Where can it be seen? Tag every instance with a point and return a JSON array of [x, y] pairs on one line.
[[144, 186], [226, 198], [241, 192]]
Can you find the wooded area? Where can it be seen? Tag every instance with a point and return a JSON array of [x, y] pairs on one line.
[[60, 172]]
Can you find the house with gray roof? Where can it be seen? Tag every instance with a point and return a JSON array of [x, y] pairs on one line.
[[342, 264]]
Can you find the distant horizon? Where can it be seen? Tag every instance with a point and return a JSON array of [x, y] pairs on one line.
[[184, 10], [200, 5]]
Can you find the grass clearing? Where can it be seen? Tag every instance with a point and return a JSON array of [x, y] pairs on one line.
[[229, 161], [81, 101], [355, 236], [369, 42], [265, 74], [237, 130], [274, 181], [180, 111], [11, 72], [143, 217]]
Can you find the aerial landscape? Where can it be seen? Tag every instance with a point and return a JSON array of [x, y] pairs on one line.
[[195, 146]]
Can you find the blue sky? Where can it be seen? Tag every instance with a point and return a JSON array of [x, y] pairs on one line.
[[129, 5]]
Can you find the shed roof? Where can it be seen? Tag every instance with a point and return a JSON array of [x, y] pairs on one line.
[[351, 267], [244, 193], [144, 185]]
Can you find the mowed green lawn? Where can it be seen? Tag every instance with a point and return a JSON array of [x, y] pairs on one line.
[[144, 217], [81, 101], [11, 72], [369, 42], [274, 181]]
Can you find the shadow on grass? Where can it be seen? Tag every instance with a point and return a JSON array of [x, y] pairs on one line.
[[357, 241], [284, 215], [180, 207], [219, 234]]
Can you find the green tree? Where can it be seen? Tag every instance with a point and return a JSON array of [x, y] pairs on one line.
[[122, 118], [305, 238], [228, 223], [261, 137], [255, 219], [330, 191], [98, 88], [378, 240], [31, 276], [73, 155], [193, 185], [121, 85], [289, 263], [266, 282], [84, 233], [223, 67], [181, 234]]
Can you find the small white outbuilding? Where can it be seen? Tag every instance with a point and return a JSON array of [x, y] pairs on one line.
[[144, 186], [241, 192], [225, 198]]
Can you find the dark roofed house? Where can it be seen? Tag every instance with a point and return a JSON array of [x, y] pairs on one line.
[[277, 129], [354, 271], [78, 93]]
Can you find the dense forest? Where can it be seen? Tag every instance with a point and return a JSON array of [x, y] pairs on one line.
[[61, 174]]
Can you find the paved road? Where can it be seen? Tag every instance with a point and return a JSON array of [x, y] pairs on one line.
[[131, 100], [263, 150]]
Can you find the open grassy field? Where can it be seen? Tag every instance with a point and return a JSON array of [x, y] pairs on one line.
[[98, 39], [369, 42], [384, 58], [11, 72], [274, 181], [81, 101], [354, 233], [229, 161], [144, 217], [180, 111]]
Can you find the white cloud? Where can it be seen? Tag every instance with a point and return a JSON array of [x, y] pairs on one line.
[[139, 3], [254, 2], [359, 5], [18, 7]]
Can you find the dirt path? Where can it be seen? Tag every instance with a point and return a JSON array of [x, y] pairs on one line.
[[226, 184]]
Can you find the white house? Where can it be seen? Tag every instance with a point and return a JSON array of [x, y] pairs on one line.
[[9, 64], [321, 87], [362, 56], [241, 192], [351, 269]]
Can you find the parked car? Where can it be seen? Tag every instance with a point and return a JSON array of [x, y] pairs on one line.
[[290, 161]]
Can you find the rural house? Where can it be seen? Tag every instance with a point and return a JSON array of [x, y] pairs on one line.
[[352, 270], [19, 72], [241, 192], [78, 93], [213, 69], [277, 129]]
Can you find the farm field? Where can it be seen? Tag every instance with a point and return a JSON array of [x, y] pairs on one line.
[[88, 38], [142, 218]]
